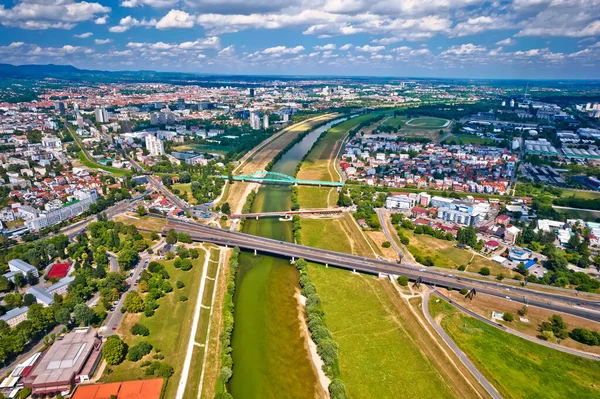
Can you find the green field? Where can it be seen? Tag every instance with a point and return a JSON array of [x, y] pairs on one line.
[[169, 327], [427, 123], [468, 139], [187, 189], [396, 121], [588, 216], [519, 368], [446, 254], [580, 194], [94, 165], [377, 356]]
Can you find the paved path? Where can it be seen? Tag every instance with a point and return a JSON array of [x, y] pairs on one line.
[[519, 334], [460, 354], [190, 350]]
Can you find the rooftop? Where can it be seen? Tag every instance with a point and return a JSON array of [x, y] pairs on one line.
[[144, 389]]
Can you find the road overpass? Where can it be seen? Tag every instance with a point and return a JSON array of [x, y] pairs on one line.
[[547, 300]]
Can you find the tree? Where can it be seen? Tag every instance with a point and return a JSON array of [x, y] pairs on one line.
[[337, 390], [484, 271], [29, 299], [114, 350], [141, 210], [171, 237], [83, 314], [386, 244], [138, 351], [508, 317], [523, 311], [402, 280], [32, 279], [585, 336], [133, 302], [62, 315], [127, 258], [20, 280], [226, 208], [556, 325], [5, 284]]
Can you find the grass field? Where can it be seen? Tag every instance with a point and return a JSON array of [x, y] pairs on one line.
[[468, 139], [519, 368], [396, 121], [377, 356], [187, 189], [446, 254], [95, 165], [580, 194], [169, 327], [339, 234], [144, 222], [428, 123], [590, 216]]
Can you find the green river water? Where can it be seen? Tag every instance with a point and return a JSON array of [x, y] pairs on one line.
[[270, 359]]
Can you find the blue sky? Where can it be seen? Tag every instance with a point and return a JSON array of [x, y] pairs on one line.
[[526, 39]]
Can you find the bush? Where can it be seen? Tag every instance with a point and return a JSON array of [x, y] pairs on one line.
[[585, 336], [402, 280], [337, 390], [140, 329], [462, 268], [223, 395], [179, 284], [386, 244], [225, 374], [508, 317], [186, 265], [484, 271], [463, 291], [139, 351], [183, 298]]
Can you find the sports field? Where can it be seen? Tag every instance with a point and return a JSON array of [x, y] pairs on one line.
[[424, 127], [519, 368], [468, 139], [428, 123]]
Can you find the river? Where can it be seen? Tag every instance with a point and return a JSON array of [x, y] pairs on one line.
[[270, 359]]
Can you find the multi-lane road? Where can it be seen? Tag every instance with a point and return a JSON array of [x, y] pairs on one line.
[[547, 300]]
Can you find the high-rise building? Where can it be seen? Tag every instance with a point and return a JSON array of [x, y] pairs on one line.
[[251, 93], [126, 126], [60, 107], [286, 117], [265, 121], [154, 146], [154, 118], [80, 121], [255, 120], [181, 104], [101, 115], [512, 103]]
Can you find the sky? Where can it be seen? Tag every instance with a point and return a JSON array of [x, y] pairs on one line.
[[523, 39]]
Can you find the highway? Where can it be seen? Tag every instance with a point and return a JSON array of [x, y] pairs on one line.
[[546, 300]]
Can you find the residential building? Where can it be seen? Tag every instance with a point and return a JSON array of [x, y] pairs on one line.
[[101, 115], [255, 120], [42, 296], [401, 202], [154, 146], [19, 266], [15, 316]]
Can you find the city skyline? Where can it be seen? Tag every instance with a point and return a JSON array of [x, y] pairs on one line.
[[523, 39]]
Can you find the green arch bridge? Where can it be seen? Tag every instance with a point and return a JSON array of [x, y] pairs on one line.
[[265, 177]]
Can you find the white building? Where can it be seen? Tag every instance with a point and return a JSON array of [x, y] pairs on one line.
[[155, 146], [50, 141], [265, 121], [402, 202], [255, 120], [19, 266], [101, 115], [15, 316]]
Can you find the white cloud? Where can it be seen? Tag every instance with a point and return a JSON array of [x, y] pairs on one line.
[[102, 41], [480, 24], [176, 19], [45, 14], [326, 47], [83, 35], [464, 49], [346, 47], [129, 22], [208, 43], [279, 51], [101, 20], [370, 49], [150, 3], [506, 42]]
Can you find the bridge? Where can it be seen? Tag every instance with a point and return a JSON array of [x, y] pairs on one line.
[[265, 177], [326, 211], [542, 299]]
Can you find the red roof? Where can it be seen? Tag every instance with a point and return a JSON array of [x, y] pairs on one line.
[[492, 243], [59, 270]]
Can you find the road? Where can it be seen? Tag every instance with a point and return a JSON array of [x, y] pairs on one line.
[[546, 300], [460, 354], [114, 318], [517, 333]]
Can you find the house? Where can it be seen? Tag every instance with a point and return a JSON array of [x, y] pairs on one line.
[[41, 295], [502, 219], [61, 286], [492, 245], [15, 316]]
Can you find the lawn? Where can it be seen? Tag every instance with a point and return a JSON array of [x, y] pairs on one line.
[[377, 356], [445, 254], [428, 123], [468, 139], [313, 197], [519, 368], [94, 165], [580, 194], [144, 222], [185, 192], [395, 121], [169, 327], [341, 235], [588, 216]]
